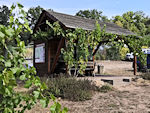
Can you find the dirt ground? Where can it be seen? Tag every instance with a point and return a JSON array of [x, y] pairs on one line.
[[127, 100], [119, 68], [132, 98]]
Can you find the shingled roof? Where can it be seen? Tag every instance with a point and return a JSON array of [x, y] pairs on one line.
[[70, 21]]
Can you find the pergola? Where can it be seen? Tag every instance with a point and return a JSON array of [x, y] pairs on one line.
[[50, 49]]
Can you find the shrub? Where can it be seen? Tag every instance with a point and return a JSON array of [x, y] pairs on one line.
[[146, 76], [106, 88], [71, 88], [123, 51]]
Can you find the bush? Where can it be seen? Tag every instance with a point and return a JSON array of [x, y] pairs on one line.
[[146, 76], [123, 51], [71, 88], [105, 88]]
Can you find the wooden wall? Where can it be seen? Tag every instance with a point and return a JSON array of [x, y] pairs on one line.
[[50, 53], [41, 68]]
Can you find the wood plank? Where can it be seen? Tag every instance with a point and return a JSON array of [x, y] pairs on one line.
[[39, 21], [34, 54], [57, 54], [49, 57]]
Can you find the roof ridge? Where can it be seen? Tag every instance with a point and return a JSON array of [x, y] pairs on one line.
[[70, 15], [82, 17], [71, 21]]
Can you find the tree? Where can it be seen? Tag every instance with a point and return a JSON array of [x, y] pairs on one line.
[[112, 53], [133, 21], [123, 52], [33, 14], [92, 14], [4, 15]]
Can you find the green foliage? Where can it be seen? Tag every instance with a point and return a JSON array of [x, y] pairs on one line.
[[134, 21], [79, 44], [56, 108], [135, 45], [71, 88], [123, 52], [146, 40], [4, 15], [33, 15], [78, 41], [92, 14], [106, 88], [12, 69], [112, 53]]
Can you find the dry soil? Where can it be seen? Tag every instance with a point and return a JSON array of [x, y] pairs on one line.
[[132, 98]]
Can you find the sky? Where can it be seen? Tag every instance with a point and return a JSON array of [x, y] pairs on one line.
[[108, 7]]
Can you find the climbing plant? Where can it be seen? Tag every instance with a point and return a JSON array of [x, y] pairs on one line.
[[12, 69], [81, 43]]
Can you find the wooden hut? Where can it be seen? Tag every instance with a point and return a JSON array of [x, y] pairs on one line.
[[47, 57]]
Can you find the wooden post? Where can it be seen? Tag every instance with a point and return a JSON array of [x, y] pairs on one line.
[[49, 61], [57, 54], [135, 64], [34, 53]]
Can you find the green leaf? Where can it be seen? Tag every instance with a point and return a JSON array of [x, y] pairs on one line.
[[65, 110], [11, 19], [43, 102], [12, 8], [20, 6], [22, 44], [7, 91], [53, 108], [58, 107], [7, 110], [2, 35], [50, 25], [23, 77], [53, 97], [36, 94], [15, 70], [9, 32], [28, 84], [8, 63], [44, 86], [2, 59]]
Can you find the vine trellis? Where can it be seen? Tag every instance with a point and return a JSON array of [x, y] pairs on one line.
[[83, 40]]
